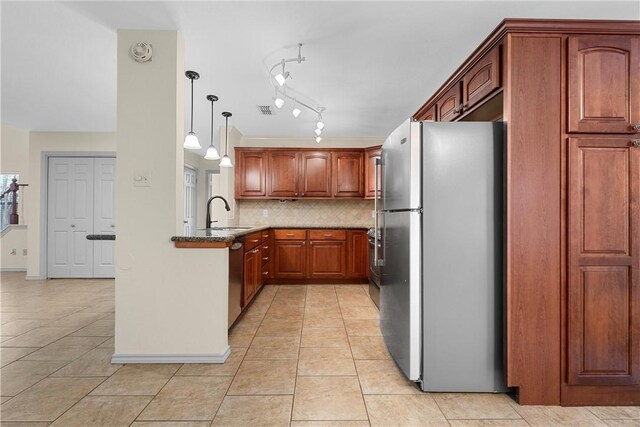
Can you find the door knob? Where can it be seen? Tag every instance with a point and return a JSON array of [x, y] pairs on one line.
[[112, 226], [73, 226]]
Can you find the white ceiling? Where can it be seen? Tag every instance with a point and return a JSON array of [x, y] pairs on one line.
[[371, 64]]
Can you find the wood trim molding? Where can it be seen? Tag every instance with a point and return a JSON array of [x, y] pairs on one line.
[[192, 245]]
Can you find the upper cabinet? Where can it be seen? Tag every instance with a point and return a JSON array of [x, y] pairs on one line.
[[283, 174], [250, 174], [603, 84], [370, 156], [315, 177], [449, 104], [349, 174], [279, 173], [482, 79]]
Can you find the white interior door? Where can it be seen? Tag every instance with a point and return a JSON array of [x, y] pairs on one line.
[[70, 217], [189, 200], [104, 216]]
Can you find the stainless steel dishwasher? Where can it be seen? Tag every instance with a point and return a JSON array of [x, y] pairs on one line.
[[236, 269]]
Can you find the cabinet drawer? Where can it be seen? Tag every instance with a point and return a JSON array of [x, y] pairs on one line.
[[265, 251], [291, 234], [252, 240], [265, 235], [327, 235]]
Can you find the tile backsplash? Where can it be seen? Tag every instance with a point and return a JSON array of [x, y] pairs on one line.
[[306, 212]]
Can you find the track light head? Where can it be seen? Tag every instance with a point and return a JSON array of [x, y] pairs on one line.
[[320, 124], [279, 102], [318, 139], [296, 112], [281, 78], [318, 131]]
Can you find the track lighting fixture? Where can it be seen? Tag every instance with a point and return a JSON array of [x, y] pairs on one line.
[[225, 162], [212, 153], [281, 96], [191, 141]]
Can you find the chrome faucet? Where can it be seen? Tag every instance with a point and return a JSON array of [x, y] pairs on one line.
[[226, 206]]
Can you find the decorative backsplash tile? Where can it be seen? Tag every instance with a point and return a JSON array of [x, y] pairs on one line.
[[306, 212]]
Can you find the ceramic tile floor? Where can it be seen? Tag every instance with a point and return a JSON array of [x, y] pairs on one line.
[[301, 356]]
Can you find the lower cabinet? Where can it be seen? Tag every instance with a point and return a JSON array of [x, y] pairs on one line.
[[290, 259], [320, 254]]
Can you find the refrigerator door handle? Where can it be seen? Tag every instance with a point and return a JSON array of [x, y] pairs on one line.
[[375, 212]]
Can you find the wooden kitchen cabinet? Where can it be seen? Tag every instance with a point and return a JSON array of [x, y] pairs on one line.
[[348, 169], [427, 113], [290, 259], [604, 261], [449, 105], [482, 79], [327, 259], [604, 78], [283, 174], [250, 175], [315, 174], [357, 253], [370, 156]]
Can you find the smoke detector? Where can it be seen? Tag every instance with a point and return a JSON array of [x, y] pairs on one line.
[[141, 52]]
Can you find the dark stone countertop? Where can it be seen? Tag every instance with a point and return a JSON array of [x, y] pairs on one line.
[[221, 235], [101, 237]]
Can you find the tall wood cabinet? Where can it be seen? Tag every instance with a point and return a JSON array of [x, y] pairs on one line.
[[569, 92]]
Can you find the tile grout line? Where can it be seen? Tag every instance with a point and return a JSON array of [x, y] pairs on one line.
[[295, 378]]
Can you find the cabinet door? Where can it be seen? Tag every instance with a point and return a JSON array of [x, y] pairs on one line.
[[283, 174], [604, 262], [482, 79], [327, 259], [250, 175], [357, 254], [348, 169], [315, 174], [428, 115], [249, 276], [289, 259], [604, 82], [371, 154], [449, 104]]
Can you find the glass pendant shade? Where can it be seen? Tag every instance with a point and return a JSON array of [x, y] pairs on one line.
[[225, 162], [191, 142], [212, 153]]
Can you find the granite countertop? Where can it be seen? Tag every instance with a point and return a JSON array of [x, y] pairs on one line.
[[101, 237], [213, 235]]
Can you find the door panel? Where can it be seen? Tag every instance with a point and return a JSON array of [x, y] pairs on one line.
[[189, 201], [326, 259], [251, 174], [371, 154], [604, 291], [315, 174], [482, 79], [448, 105], [290, 259], [70, 217], [603, 84], [283, 174], [349, 176], [104, 217]]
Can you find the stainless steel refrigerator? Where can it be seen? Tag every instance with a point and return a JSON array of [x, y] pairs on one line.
[[440, 222]]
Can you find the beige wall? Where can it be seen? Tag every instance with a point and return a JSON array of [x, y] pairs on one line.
[[14, 158], [171, 304], [55, 143]]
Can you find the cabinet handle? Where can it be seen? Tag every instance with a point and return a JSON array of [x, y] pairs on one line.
[[328, 235], [254, 241], [636, 143], [265, 247], [303, 194], [255, 251], [303, 243], [311, 243], [295, 194], [636, 127], [265, 258], [265, 273]]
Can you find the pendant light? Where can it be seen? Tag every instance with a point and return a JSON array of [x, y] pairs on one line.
[[212, 153], [191, 141], [225, 162]]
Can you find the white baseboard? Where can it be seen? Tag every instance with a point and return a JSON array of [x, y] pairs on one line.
[[34, 277], [12, 269], [171, 358]]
